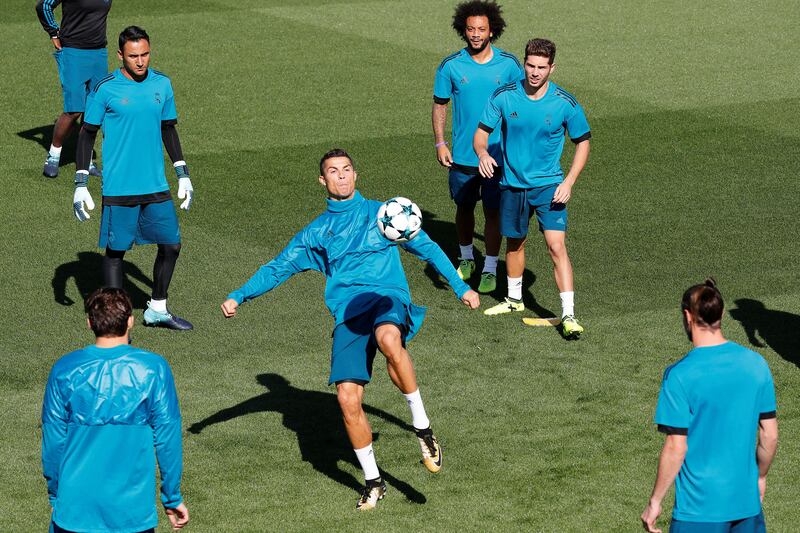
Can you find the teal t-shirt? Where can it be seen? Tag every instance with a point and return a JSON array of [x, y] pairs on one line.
[[130, 113], [717, 395], [470, 84], [533, 132]]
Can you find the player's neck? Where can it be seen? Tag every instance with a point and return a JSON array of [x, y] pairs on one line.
[[535, 93], [482, 56], [134, 77], [111, 342], [703, 337]]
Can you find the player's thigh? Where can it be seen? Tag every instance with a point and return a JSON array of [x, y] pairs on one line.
[[353, 351], [158, 224], [390, 324], [514, 212], [119, 226], [76, 70], [465, 186], [549, 215]]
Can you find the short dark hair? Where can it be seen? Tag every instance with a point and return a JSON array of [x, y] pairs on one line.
[[132, 33], [479, 8], [704, 302], [336, 152], [108, 310], [541, 47]]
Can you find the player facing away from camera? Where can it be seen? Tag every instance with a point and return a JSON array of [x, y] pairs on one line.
[[534, 115], [135, 106], [717, 408], [469, 77], [368, 296], [82, 60], [106, 408]]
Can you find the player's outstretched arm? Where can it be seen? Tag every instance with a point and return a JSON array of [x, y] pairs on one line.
[[423, 247]]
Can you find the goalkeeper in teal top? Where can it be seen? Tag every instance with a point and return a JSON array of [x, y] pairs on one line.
[[368, 296], [469, 77], [534, 115], [135, 106]]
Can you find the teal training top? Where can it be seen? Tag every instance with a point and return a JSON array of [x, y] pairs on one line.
[[345, 244], [131, 113], [716, 395], [533, 132], [104, 411], [470, 84]]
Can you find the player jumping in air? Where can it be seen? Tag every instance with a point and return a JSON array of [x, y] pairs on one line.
[[368, 296], [136, 107], [534, 114], [469, 77]]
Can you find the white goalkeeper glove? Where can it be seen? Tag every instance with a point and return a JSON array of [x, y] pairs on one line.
[[81, 197], [185, 189]]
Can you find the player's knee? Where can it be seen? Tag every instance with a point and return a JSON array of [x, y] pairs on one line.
[[556, 248], [350, 404], [169, 250], [389, 340]]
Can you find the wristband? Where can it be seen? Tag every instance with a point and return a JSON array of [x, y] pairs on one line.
[[443, 143], [81, 178], [182, 171]]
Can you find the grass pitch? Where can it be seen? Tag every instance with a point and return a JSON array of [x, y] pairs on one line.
[[692, 173]]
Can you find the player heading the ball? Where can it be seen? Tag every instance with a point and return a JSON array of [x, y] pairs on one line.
[[369, 298]]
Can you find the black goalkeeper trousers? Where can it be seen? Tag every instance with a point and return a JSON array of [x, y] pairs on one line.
[[163, 268]]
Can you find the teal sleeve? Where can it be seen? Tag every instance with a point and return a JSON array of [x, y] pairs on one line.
[[165, 419], [576, 123], [54, 435], [442, 87], [298, 256], [423, 247], [168, 112], [673, 408], [491, 114], [767, 401], [95, 108]]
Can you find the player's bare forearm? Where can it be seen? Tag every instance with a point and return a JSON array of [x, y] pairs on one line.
[[438, 120], [480, 143], [767, 444], [669, 464], [579, 161]]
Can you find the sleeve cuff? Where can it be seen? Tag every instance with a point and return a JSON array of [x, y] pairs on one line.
[[484, 127], [585, 137], [236, 296], [768, 415], [671, 430], [439, 100]]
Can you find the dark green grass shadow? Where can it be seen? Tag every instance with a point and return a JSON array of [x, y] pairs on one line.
[[316, 420], [769, 327], [43, 136], [87, 271]]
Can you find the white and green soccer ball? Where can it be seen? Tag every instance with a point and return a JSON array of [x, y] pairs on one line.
[[399, 219]]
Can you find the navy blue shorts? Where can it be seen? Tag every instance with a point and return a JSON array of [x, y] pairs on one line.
[[467, 186], [156, 223], [354, 344], [518, 205], [754, 524]]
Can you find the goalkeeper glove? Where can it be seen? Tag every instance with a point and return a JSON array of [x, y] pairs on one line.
[[82, 196], [185, 189]]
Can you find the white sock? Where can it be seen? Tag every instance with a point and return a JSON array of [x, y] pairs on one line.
[[55, 152], [567, 303], [490, 265], [515, 288], [418, 417], [366, 457], [159, 306], [466, 252]]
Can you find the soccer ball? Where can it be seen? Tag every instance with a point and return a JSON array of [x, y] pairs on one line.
[[399, 219]]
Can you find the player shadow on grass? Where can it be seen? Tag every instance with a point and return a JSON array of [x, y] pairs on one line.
[[316, 419], [43, 135], [88, 274], [777, 329]]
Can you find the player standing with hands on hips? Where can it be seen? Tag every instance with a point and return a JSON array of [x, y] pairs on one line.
[[469, 77], [717, 408], [135, 105], [82, 59], [369, 298], [534, 115]]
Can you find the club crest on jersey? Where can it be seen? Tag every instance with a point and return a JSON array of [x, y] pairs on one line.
[[158, 97]]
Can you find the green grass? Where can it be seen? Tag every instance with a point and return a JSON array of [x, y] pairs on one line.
[[692, 173]]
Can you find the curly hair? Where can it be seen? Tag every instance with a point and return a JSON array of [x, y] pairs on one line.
[[479, 8]]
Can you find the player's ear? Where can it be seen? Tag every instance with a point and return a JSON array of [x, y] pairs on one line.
[[130, 322], [322, 180], [355, 176], [88, 323], [119, 54]]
